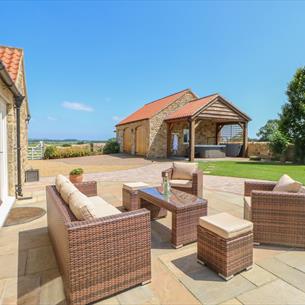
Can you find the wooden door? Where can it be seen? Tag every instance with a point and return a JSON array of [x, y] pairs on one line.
[[140, 141], [127, 141]]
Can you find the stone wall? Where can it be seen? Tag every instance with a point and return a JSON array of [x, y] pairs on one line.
[[262, 149], [133, 126], [158, 128]]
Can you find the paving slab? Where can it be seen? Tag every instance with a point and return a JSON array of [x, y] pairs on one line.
[[140, 295], [204, 283], [276, 292], [40, 259], [258, 276], [287, 273], [295, 259]]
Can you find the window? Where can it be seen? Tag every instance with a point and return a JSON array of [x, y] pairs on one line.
[[186, 136]]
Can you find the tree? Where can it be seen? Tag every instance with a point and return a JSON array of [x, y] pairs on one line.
[[279, 144], [267, 130], [292, 118]]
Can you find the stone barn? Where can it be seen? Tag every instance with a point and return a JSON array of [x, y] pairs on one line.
[[182, 124]]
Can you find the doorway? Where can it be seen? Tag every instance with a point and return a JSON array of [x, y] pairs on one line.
[[3, 154]]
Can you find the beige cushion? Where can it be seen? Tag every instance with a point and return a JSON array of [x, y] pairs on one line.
[[134, 186], [181, 183], [66, 190], [225, 225], [59, 181], [81, 206], [184, 170], [103, 208], [286, 184], [247, 208], [302, 190]]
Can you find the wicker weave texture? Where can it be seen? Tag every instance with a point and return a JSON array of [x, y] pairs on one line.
[[100, 257], [225, 256], [184, 218], [278, 217], [197, 182]]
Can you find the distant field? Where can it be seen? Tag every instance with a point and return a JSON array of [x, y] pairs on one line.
[[35, 142]]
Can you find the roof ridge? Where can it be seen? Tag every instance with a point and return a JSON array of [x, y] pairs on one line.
[[200, 98], [167, 96]]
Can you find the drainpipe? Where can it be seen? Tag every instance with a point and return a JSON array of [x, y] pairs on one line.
[[18, 102]]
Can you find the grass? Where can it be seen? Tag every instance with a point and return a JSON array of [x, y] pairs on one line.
[[254, 170]]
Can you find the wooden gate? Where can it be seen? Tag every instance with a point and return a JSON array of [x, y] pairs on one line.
[[140, 141], [127, 141]]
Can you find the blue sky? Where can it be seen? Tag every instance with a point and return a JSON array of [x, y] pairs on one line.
[[89, 64]]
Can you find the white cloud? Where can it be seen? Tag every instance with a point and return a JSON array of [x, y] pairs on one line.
[[50, 118], [116, 118], [77, 106]]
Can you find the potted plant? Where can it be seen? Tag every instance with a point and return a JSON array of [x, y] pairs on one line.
[[76, 175]]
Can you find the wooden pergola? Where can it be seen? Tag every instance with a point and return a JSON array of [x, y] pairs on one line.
[[213, 108]]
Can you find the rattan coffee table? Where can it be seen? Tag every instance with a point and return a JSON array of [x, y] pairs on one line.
[[186, 210]]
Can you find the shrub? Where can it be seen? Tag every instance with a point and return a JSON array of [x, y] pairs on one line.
[[279, 144], [50, 152], [66, 145], [111, 147], [76, 171]]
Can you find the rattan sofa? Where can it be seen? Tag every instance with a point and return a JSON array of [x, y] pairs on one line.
[[100, 257], [278, 217], [196, 187]]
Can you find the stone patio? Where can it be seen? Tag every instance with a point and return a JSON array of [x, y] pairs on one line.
[[29, 273]]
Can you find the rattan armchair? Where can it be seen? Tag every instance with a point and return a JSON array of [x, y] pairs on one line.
[[278, 217], [100, 257], [196, 183]]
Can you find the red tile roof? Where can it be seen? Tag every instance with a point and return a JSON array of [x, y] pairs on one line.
[[192, 107], [150, 109], [11, 57]]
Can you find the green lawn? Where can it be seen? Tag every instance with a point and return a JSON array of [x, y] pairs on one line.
[[254, 170]]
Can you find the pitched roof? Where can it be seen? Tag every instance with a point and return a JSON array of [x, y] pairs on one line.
[[152, 108], [11, 58], [192, 107]]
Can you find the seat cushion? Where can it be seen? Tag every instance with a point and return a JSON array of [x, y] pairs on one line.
[[183, 170], [103, 208], [81, 206], [134, 186], [181, 183], [247, 208], [287, 184], [226, 225], [59, 182]]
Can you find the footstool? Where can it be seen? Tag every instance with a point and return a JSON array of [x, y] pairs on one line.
[[225, 244], [130, 195]]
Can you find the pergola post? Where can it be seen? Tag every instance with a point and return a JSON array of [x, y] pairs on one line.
[[192, 140], [245, 139]]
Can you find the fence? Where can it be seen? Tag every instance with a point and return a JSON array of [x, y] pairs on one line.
[[36, 152]]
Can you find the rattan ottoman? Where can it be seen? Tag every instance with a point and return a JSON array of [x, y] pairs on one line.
[[225, 244], [130, 195]]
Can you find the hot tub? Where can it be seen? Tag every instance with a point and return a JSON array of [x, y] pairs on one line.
[[210, 151]]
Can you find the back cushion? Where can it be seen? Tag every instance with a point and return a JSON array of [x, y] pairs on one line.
[[286, 184], [302, 190], [184, 170], [81, 206], [66, 190], [60, 181]]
